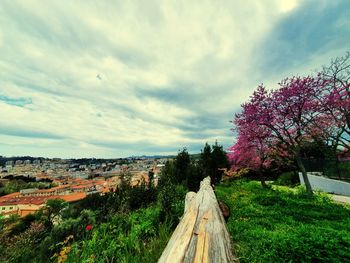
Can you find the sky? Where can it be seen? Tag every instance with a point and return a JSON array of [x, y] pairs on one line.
[[113, 79]]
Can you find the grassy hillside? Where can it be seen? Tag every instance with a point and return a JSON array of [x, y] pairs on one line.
[[132, 224], [136, 237], [285, 226]]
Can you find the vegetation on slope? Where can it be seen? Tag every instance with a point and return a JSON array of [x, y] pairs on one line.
[[129, 225], [134, 224], [281, 225]]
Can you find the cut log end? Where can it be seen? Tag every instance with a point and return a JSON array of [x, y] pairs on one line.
[[225, 210]]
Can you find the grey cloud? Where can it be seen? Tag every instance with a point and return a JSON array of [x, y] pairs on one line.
[[29, 133], [310, 30], [74, 36], [183, 94], [21, 102], [139, 147]]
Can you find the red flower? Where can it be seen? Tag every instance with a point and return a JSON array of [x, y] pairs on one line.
[[88, 227]]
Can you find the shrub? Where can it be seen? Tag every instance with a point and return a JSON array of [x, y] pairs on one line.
[[171, 200], [2, 222], [288, 179], [141, 196], [22, 247], [138, 237], [22, 224]]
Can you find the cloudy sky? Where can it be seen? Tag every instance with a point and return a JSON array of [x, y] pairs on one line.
[[120, 78]]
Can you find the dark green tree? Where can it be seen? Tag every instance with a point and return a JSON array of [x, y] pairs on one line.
[[205, 160], [182, 165], [53, 210], [167, 174], [219, 162], [194, 177], [213, 160]]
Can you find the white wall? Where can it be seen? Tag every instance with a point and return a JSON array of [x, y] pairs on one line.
[[327, 185], [7, 208]]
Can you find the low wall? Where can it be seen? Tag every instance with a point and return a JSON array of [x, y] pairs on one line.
[[327, 185]]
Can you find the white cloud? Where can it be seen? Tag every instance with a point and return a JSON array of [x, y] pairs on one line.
[[288, 5]]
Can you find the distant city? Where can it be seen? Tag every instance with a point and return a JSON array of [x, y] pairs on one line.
[[70, 179]]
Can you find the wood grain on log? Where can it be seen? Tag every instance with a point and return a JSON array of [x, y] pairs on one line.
[[201, 235]]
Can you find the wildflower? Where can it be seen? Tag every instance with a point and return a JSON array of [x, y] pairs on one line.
[[88, 227]]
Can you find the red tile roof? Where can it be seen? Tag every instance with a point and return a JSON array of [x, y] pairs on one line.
[[40, 200], [37, 200], [73, 197]]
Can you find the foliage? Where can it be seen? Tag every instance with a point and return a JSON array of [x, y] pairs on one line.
[[241, 173], [195, 176], [285, 226], [171, 200], [182, 165], [2, 222], [286, 115], [125, 199], [53, 209], [211, 162], [167, 174], [20, 226], [66, 226], [139, 237], [19, 248], [205, 159], [141, 196], [337, 169], [334, 97], [303, 112], [176, 171], [288, 179], [15, 185]]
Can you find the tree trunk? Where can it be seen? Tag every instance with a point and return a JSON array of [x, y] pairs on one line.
[[304, 174], [337, 168], [262, 180], [261, 175], [201, 235], [263, 183]]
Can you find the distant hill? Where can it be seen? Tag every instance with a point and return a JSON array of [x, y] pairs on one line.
[[195, 156], [150, 156]]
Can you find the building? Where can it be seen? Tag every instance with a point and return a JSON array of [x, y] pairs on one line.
[[24, 205]]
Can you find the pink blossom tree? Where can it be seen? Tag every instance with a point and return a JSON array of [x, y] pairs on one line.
[[252, 147], [285, 116], [334, 96]]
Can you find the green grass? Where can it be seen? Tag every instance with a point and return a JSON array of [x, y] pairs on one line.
[[282, 225], [137, 237]]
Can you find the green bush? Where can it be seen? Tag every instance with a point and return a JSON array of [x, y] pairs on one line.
[[288, 179], [22, 247], [337, 170], [2, 222], [141, 196], [124, 200], [171, 200]]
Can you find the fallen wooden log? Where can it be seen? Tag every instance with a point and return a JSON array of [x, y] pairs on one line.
[[201, 235]]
